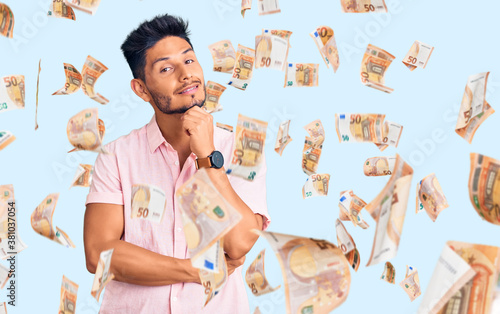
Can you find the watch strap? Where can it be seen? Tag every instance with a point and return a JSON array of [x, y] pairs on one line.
[[203, 162]]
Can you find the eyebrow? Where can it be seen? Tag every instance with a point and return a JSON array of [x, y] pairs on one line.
[[167, 58]]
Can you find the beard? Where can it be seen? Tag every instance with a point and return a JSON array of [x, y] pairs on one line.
[[164, 103]]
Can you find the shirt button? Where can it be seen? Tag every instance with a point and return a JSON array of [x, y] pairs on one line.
[[176, 163], [175, 299], [179, 229]]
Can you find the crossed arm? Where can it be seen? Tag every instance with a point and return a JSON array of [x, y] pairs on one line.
[[104, 227]]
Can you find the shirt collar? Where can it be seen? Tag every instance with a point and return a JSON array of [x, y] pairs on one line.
[[155, 138]]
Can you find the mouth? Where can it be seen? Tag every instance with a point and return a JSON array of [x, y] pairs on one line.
[[189, 90]]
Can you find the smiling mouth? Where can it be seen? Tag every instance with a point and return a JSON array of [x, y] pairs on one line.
[[189, 90]]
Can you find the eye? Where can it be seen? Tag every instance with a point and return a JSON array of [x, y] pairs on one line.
[[166, 69], [189, 61]]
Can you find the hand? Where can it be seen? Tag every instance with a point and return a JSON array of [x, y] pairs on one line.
[[199, 125], [232, 264]]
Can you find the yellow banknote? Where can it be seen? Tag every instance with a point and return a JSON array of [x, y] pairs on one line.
[[87, 6], [213, 93], [86, 131], [316, 185], [283, 138], [148, 202], [92, 70], [271, 49], [464, 279], [430, 197], [411, 283], [389, 273], [474, 109], [418, 56], [243, 68], [484, 187], [41, 221], [256, 276], [6, 21], [388, 209], [323, 270], [350, 206], [103, 274], [12, 93], [223, 55], [363, 6], [83, 176], [69, 290], [310, 156], [379, 166], [206, 215], [301, 74], [60, 9], [347, 245], [248, 151], [374, 65], [6, 138]]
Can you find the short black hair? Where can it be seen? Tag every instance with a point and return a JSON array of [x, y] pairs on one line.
[[147, 35]]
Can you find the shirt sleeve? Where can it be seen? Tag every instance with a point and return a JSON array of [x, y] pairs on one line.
[[106, 185], [253, 193]]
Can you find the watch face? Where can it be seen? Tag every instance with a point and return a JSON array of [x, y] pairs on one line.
[[217, 159]]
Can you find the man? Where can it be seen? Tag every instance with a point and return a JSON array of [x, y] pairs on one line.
[[153, 273]]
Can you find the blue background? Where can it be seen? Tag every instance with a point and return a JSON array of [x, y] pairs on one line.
[[425, 101]]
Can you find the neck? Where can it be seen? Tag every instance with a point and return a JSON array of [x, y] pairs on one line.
[[171, 128]]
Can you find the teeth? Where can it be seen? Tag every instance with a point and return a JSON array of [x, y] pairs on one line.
[[188, 90]]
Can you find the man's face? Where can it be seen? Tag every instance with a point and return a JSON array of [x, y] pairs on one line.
[[173, 75]]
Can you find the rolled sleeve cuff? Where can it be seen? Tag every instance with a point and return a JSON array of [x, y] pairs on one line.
[[266, 220], [104, 197]]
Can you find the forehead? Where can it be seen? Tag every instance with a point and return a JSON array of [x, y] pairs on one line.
[[170, 46]]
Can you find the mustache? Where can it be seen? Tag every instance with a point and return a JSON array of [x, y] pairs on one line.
[[187, 84]]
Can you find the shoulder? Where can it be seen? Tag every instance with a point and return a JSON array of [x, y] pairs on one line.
[[126, 142]]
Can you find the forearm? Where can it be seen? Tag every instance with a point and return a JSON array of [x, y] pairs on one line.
[[240, 239], [136, 265]]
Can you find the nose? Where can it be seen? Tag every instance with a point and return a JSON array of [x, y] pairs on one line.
[[185, 73]]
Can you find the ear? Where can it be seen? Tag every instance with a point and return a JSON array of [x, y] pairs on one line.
[[140, 89]]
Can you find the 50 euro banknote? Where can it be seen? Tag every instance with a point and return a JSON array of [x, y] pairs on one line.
[[12, 93], [363, 6], [374, 65], [355, 127], [301, 75], [248, 151]]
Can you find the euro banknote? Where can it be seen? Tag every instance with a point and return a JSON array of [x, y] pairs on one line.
[[243, 68], [347, 245], [69, 291], [315, 272], [86, 131], [103, 274], [350, 206], [41, 221], [355, 127], [474, 109], [465, 274], [374, 66], [37, 88], [321, 35], [418, 56], [388, 209], [148, 203], [256, 276], [206, 215], [310, 156], [363, 6], [271, 49], [389, 273], [213, 93], [379, 166], [12, 93], [411, 283], [87, 6], [6, 138], [213, 282], [283, 138], [248, 152], [6, 21], [484, 187], [223, 55], [301, 75], [60, 9], [430, 197], [83, 176], [316, 185]]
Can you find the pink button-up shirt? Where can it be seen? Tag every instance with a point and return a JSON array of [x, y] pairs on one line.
[[145, 157]]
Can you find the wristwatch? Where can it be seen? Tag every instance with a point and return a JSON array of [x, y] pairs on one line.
[[214, 160]]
